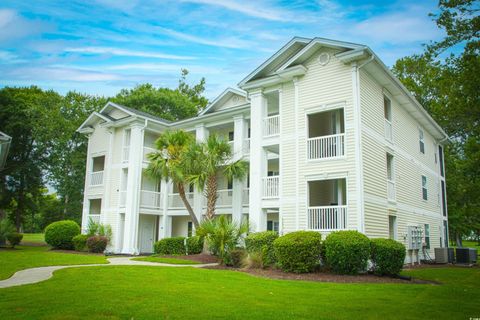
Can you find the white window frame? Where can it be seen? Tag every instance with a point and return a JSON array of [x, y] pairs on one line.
[[424, 188], [421, 140]]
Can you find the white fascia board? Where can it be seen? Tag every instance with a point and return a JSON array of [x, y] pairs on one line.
[[226, 92], [227, 113], [277, 54], [320, 42], [278, 77], [4, 136], [94, 114]]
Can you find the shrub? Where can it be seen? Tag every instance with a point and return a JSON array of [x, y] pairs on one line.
[[14, 238], [97, 244], [6, 227], [387, 256], [194, 245], [253, 260], [80, 242], [262, 242], [347, 252], [299, 251], [99, 229], [59, 234], [173, 245], [237, 257]]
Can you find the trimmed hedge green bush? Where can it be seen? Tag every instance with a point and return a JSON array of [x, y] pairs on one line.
[[388, 256], [14, 239], [347, 252], [173, 245], [80, 242], [262, 242], [97, 244], [194, 245], [59, 234], [299, 251]]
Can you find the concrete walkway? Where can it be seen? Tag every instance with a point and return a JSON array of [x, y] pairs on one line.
[[34, 275]]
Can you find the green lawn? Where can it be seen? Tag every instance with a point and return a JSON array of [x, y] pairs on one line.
[[37, 238], [142, 292], [165, 260], [23, 257]]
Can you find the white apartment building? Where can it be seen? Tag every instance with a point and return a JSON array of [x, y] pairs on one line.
[[334, 142]]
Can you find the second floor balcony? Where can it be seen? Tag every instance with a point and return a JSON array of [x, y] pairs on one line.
[[271, 187], [271, 126], [326, 135]]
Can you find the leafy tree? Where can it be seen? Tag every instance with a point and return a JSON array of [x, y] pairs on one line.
[[445, 79], [28, 115], [205, 161], [169, 162], [183, 102]]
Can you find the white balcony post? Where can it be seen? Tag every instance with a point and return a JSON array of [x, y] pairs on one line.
[[258, 110], [239, 132], [201, 134], [166, 189], [133, 189], [86, 202], [106, 177]]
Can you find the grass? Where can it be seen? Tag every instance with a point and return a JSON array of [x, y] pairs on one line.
[[23, 257], [160, 259], [37, 238], [142, 292]]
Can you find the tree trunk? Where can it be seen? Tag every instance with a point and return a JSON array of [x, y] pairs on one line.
[[65, 204], [211, 190], [181, 192], [458, 240]]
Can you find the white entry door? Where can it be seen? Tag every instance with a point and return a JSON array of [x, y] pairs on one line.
[[147, 233]]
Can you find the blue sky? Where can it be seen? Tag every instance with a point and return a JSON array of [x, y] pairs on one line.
[[99, 47]]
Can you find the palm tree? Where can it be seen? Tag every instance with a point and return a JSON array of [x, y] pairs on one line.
[[169, 163], [205, 160]]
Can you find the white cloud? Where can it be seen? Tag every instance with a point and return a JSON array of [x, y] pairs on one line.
[[59, 74], [162, 67], [126, 53], [9, 57], [227, 42], [15, 27]]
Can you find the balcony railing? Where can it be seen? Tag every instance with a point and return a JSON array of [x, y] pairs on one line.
[[174, 200], [331, 146], [271, 125], [146, 151], [391, 190], [388, 130], [224, 198], [327, 218], [246, 197], [271, 187], [150, 199], [96, 178], [122, 198]]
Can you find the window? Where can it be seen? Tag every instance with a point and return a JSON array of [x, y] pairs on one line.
[[424, 188], [392, 227], [230, 184], [189, 228], [272, 226], [440, 160], [387, 108], [427, 236], [444, 199], [421, 140], [230, 136], [390, 174]]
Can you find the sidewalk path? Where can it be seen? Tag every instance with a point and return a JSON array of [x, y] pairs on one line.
[[34, 275]]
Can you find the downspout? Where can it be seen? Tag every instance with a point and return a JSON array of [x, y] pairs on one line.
[[358, 136]]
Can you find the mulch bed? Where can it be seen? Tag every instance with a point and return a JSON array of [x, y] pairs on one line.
[[201, 258], [323, 276]]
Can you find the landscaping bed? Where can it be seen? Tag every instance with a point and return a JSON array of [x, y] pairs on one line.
[[199, 258]]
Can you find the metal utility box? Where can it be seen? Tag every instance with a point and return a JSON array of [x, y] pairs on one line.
[[466, 255], [415, 238], [441, 255]]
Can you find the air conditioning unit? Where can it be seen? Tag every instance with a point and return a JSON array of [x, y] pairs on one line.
[[466, 255], [441, 255]]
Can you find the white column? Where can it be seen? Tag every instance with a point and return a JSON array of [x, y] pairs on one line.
[[166, 188], [257, 161], [201, 134], [86, 202], [107, 170], [130, 243], [240, 135]]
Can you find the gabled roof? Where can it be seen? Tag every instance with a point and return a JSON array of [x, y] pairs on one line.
[[92, 119], [223, 98], [276, 60], [4, 137], [133, 112]]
